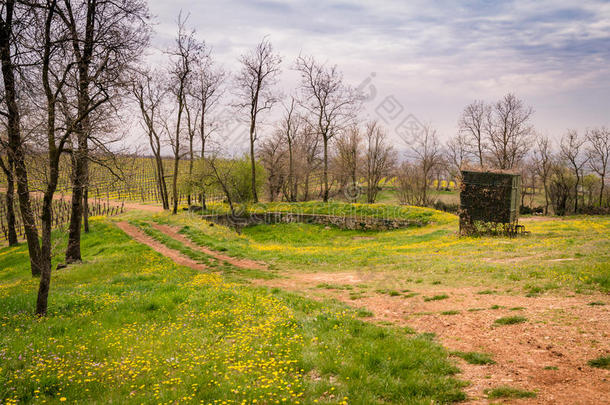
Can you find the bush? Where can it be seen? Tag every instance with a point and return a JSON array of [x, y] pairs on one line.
[[527, 210], [443, 206]]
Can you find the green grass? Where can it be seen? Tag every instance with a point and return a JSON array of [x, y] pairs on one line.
[[130, 326], [510, 320], [451, 312], [418, 215], [430, 253], [474, 357], [483, 292], [600, 362], [436, 297], [509, 392]]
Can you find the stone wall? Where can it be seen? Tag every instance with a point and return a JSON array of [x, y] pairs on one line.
[[342, 222]]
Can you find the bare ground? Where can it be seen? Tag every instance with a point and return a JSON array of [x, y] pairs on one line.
[[172, 232], [176, 256], [561, 332]]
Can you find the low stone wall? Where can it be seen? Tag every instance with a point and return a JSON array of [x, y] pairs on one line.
[[342, 222]]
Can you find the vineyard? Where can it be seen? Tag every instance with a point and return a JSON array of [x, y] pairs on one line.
[[125, 178], [61, 213]]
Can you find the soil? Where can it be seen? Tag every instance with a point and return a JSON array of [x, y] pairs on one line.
[[561, 332], [241, 263], [176, 256]]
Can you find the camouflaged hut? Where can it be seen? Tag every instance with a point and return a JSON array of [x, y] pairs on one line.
[[489, 201]]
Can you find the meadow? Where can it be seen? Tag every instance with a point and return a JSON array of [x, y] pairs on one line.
[[335, 316], [130, 326]]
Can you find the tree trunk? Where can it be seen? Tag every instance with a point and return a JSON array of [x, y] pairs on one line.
[[546, 199], [291, 182], [253, 163], [161, 182], [175, 183], [601, 189], [73, 252], [45, 277], [10, 202], [81, 164], [86, 208], [15, 146], [576, 192], [325, 171]]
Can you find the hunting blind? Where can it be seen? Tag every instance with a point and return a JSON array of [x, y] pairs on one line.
[[489, 202]]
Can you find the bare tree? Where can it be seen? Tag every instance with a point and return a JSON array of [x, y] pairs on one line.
[[571, 150], [410, 183], [273, 157], [472, 127], [457, 155], [599, 155], [149, 89], [509, 131], [379, 159], [12, 21], [307, 147], [106, 37], [543, 164], [290, 126], [331, 103], [254, 85], [184, 56], [206, 92], [426, 152], [7, 168], [347, 159]]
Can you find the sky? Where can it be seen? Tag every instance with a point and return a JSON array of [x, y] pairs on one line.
[[425, 60]]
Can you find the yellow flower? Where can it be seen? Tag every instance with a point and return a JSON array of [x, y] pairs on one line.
[[62, 399]]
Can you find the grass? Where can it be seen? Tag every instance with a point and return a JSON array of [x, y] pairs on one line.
[[509, 392], [483, 292], [436, 297], [418, 215], [130, 326], [510, 320], [451, 312], [600, 362], [429, 253], [474, 357]]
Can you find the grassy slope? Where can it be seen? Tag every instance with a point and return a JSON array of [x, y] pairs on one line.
[[130, 326], [419, 214], [572, 252]]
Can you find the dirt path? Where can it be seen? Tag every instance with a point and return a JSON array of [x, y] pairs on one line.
[[548, 353], [241, 263], [176, 256]]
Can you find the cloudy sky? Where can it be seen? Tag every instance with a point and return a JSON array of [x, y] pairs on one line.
[[429, 58]]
